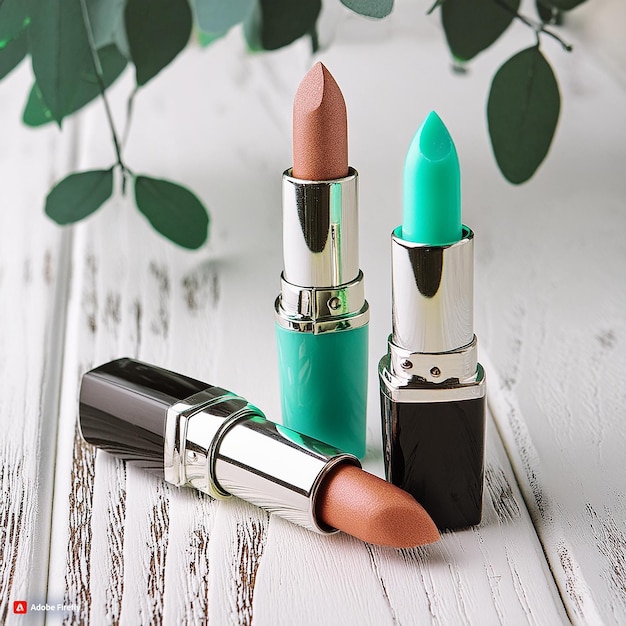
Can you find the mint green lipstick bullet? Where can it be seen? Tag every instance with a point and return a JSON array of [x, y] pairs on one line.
[[432, 187]]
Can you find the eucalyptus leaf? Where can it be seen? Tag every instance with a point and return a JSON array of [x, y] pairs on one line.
[[545, 13], [12, 54], [470, 27], [106, 17], [60, 51], [370, 8], [13, 17], [522, 113], [206, 39], [113, 63], [173, 211], [564, 5], [218, 16], [273, 24], [157, 31], [79, 195], [36, 113]]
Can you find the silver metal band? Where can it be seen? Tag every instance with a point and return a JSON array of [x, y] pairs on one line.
[[320, 231], [320, 310], [183, 466], [435, 367], [433, 291], [414, 391], [220, 444]]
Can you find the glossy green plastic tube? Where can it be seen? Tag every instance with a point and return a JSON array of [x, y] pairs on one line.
[[322, 314], [324, 385]]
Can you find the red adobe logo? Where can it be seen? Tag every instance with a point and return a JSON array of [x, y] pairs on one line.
[[20, 607]]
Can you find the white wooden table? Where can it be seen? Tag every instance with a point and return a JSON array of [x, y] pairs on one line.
[[78, 528]]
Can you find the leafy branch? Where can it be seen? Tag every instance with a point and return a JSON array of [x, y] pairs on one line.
[[538, 27], [78, 49], [73, 69], [524, 100]]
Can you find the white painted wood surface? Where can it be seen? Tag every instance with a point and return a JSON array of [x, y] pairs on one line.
[[550, 300]]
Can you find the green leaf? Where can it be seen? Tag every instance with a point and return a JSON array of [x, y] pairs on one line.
[[545, 13], [113, 63], [218, 16], [79, 195], [471, 27], [206, 39], [273, 24], [157, 31], [564, 5], [107, 18], [12, 54], [522, 113], [60, 51], [173, 211], [370, 8], [13, 17], [36, 113]]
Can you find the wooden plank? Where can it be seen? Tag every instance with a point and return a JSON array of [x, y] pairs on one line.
[[553, 318], [34, 267], [492, 574]]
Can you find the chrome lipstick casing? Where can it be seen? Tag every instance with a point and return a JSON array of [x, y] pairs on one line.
[[322, 287], [432, 386], [321, 313], [209, 439]]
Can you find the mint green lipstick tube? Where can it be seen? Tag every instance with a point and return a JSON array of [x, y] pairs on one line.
[[322, 314]]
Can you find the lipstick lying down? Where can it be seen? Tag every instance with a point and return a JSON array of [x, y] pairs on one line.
[[197, 435]]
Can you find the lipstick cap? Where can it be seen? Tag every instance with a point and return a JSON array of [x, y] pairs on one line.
[[123, 406], [194, 434]]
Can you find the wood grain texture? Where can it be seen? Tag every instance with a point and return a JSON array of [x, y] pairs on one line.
[[556, 285], [492, 574], [33, 283]]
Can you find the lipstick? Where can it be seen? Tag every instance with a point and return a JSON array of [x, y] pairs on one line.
[[194, 434], [321, 312], [432, 387]]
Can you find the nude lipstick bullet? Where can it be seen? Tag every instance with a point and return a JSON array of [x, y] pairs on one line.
[[198, 435], [432, 387], [321, 312]]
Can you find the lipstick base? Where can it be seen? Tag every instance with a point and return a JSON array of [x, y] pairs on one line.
[[435, 451], [434, 441], [324, 385]]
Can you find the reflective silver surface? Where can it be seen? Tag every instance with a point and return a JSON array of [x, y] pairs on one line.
[[320, 231], [415, 391], [222, 445], [434, 367], [433, 291], [319, 310], [432, 351]]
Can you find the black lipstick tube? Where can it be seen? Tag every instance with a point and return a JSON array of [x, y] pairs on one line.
[[432, 387]]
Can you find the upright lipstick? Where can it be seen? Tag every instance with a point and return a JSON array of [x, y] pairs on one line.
[[321, 312], [432, 386], [198, 435]]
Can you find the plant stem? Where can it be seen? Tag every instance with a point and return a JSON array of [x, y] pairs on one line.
[[97, 66], [129, 114], [536, 26]]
